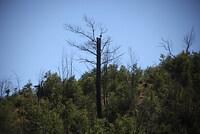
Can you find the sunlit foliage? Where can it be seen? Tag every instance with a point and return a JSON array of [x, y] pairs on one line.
[[163, 99]]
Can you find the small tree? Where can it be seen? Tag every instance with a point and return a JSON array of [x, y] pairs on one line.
[[96, 46]]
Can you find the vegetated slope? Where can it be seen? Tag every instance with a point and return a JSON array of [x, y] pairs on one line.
[[159, 99]]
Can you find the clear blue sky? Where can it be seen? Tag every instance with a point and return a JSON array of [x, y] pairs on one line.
[[32, 34]]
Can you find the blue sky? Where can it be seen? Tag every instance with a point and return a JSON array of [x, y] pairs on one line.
[[32, 35]]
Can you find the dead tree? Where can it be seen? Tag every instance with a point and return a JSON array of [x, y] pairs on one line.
[[96, 46], [167, 45], [189, 39], [66, 70]]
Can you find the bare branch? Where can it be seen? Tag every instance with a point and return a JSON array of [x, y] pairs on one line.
[[87, 66], [103, 30], [59, 72], [90, 45], [110, 54], [113, 51], [189, 39], [64, 70], [17, 79], [167, 45], [41, 76], [81, 47], [86, 60], [132, 56], [71, 64], [78, 71], [78, 30], [111, 59], [90, 23], [106, 43]]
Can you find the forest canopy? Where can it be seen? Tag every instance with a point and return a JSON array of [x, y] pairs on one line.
[[158, 99]]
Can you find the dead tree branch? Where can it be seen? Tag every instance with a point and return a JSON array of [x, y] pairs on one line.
[[189, 39], [167, 45], [90, 45], [84, 47]]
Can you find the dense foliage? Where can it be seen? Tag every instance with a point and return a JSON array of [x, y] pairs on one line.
[[159, 99]]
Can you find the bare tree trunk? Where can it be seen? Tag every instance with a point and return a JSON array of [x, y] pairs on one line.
[[98, 79]]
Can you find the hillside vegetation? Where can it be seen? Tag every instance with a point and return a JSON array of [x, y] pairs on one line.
[[159, 99]]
